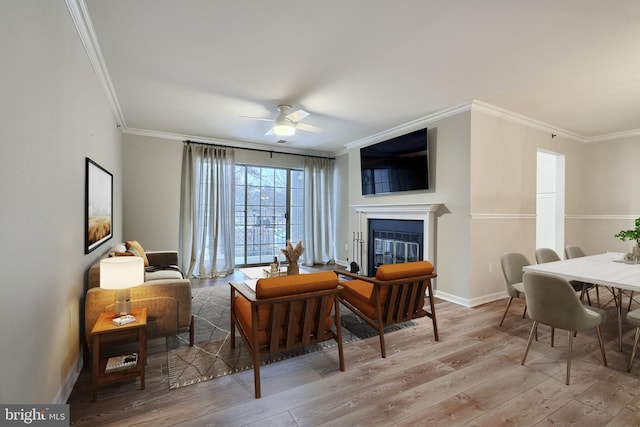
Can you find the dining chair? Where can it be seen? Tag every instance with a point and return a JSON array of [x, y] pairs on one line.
[[512, 264], [544, 255], [573, 251], [633, 318], [552, 301]]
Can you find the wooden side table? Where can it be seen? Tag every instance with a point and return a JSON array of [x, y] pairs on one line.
[[105, 332]]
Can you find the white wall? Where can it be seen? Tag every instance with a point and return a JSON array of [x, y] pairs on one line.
[[449, 173], [53, 114]]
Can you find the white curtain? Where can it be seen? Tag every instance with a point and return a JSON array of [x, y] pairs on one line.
[[207, 211], [317, 212]]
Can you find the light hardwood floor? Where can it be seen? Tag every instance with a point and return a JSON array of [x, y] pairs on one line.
[[472, 376]]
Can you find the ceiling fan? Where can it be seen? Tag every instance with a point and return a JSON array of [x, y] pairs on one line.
[[287, 122]]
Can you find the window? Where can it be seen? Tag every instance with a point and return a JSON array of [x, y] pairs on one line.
[[268, 212]]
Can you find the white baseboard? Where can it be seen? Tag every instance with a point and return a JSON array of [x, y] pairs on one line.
[[64, 392], [474, 302]]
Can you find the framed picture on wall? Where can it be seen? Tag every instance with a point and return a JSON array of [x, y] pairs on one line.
[[98, 205]]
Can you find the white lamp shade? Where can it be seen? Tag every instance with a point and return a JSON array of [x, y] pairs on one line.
[[284, 128], [121, 272]]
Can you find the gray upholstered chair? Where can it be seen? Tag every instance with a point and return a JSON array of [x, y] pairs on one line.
[[573, 251], [512, 264], [549, 255], [553, 302], [633, 318]]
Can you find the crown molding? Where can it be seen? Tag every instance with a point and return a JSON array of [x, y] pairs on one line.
[[612, 136], [486, 108], [411, 126], [82, 21], [492, 110]]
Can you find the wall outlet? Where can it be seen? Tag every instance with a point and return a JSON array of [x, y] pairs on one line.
[[490, 268], [346, 247]]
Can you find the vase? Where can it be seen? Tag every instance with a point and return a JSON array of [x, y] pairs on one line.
[[293, 269], [636, 251]]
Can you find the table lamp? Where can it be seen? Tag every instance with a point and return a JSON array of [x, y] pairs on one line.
[[120, 274]]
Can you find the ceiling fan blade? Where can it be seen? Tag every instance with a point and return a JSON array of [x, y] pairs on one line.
[[308, 128], [296, 116], [256, 118]]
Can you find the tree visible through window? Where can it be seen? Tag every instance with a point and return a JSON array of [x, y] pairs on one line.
[[268, 212]]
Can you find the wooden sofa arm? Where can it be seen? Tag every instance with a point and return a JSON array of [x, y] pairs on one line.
[[250, 295], [385, 282], [243, 290]]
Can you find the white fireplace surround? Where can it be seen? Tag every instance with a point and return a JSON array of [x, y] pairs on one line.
[[426, 212]]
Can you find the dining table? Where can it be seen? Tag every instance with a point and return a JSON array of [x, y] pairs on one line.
[[607, 269]]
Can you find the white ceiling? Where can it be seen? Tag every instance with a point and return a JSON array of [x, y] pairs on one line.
[[192, 67]]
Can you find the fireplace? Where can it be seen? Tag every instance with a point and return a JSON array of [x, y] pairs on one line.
[[415, 213], [394, 241]]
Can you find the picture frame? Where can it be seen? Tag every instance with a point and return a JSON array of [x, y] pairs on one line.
[[98, 205]]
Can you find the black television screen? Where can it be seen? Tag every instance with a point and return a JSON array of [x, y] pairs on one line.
[[398, 164]]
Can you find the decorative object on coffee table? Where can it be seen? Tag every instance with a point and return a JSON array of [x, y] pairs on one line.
[[292, 254]]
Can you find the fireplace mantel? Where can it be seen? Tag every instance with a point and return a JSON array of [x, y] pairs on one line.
[[412, 211]]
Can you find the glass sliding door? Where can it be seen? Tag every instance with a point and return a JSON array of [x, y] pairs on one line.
[[268, 212]]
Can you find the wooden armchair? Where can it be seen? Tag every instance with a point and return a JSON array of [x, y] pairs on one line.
[[286, 313], [395, 295]]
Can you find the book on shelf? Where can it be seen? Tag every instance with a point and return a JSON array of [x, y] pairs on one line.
[[123, 361]]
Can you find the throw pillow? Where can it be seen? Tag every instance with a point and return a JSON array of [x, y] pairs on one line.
[[134, 247]]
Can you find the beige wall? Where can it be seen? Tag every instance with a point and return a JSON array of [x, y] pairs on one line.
[[342, 186], [53, 114], [151, 191], [598, 179], [449, 159], [611, 194], [152, 170]]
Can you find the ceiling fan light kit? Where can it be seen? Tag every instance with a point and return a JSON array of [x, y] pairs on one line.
[[286, 123], [284, 128]]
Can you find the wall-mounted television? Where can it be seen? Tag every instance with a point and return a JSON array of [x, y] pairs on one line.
[[397, 164]]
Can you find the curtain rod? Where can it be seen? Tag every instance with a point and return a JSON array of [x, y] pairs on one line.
[[188, 141]]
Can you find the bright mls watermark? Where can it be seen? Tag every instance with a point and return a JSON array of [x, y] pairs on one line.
[[37, 415]]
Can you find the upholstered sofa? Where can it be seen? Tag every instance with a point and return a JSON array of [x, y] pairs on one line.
[[286, 313], [165, 293]]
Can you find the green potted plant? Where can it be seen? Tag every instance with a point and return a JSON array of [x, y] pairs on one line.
[[632, 235]]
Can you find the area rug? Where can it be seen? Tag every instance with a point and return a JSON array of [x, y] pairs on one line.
[[212, 355]]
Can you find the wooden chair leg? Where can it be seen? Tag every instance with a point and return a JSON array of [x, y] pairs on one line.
[[256, 374], [339, 333], [433, 313], [383, 351], [192, 330], [553, 330], [506, 310]]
